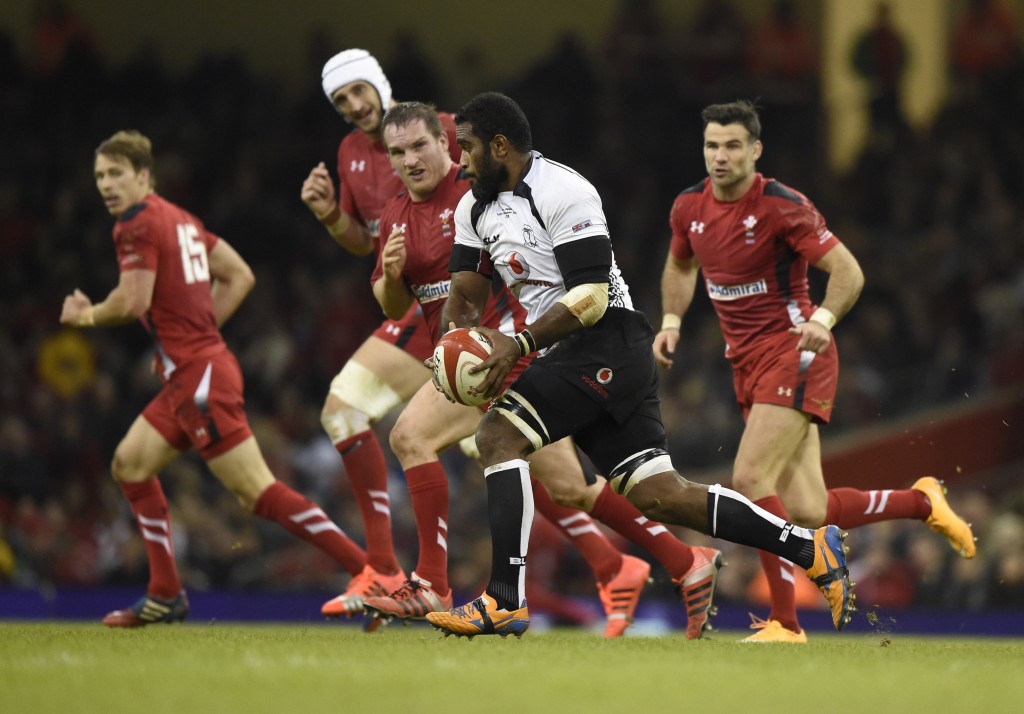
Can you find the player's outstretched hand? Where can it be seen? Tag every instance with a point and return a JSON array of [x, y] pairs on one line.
[[318, 191], [665, 346]]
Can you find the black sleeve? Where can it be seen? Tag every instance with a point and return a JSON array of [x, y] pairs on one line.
[[469, 259], [587, 260]]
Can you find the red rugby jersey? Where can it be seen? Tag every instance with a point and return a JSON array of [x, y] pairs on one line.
[[429, 236], [753, 255], [157, 235]]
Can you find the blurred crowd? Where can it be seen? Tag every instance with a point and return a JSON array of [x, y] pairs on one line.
[[935, 215]]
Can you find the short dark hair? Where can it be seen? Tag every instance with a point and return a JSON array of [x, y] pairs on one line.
[[741, 111], [492, 113], [407, 112], [133, 146]]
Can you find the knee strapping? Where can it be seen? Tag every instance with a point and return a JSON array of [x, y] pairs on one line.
[[638, 467]]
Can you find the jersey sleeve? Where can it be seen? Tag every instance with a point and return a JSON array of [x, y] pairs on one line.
[[804, 230], [346, 199], [136, 245], [468, 252], [573, 213], [680, 247]]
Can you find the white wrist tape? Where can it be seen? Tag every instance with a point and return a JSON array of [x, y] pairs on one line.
[[671, 322], [824, 317]]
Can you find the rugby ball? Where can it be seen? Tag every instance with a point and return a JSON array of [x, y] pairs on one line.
[[456, 352]]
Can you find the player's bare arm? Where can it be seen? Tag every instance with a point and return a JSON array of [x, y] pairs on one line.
[[319, 195], [126, 303], [390, 289], [233, 280], [678, 283], [845, 282]]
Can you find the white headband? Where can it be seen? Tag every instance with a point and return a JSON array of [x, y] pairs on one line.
[[355, 66]]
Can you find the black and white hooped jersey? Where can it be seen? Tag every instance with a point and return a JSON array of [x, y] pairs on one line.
[[551, 206]]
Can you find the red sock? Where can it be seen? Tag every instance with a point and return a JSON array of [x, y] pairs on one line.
[[602, 557], [367, 472], [303, 518], [150, 509], [849, 507], [428, 490], [622, 517], [779, 572]]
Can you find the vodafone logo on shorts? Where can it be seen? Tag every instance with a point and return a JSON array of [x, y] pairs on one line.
[[604, 375]]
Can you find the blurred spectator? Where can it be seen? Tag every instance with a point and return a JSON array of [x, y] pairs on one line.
[[880, 57], [986, 40], [58, 34], [713, 51], [783, 58]]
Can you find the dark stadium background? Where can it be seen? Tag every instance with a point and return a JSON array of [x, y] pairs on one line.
[[922, 177]]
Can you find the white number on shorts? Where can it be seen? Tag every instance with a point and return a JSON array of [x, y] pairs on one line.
[[193, 255]]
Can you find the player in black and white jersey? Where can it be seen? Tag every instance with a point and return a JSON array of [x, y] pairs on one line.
[[542, 227]]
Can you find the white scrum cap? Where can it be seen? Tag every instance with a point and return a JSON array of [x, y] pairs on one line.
[[355, 66]]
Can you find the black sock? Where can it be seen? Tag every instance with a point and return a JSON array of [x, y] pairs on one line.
[[510, 509], [734, 518]]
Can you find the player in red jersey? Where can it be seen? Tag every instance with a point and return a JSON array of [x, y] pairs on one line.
[[413, 268], [753, 239], [183, 282], [387, 369]]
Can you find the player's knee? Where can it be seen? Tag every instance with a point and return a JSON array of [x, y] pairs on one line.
[[746, 481], [406, 440], [123, 468], [569, 494], [341, 421]]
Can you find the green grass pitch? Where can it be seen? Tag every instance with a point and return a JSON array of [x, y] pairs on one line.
[[84, 667]]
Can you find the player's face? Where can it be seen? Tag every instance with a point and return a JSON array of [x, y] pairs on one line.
[[120, 185], [730, 156], [418, 157], [360, 104], [486, 175]]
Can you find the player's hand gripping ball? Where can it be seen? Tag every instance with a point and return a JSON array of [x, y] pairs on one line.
[[455, 353]]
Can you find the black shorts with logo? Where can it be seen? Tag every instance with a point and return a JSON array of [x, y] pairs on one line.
[[600, 386]]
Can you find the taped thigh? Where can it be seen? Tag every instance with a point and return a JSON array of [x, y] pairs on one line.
[[364, 390]]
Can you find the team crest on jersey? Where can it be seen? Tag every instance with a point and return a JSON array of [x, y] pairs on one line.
[[446, 221], [528, 237], [749, 222]]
